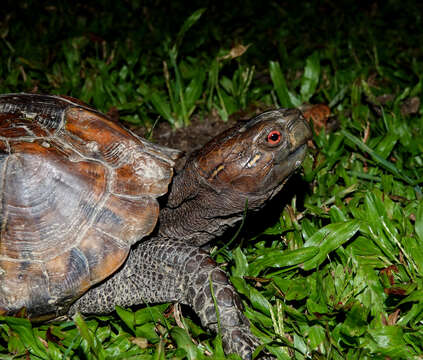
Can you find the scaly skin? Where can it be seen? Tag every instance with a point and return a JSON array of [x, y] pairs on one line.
[[168, 271]]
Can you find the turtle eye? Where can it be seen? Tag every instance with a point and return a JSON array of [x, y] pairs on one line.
[[274, 137]]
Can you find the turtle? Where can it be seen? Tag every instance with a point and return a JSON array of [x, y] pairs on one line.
[[81, 225]]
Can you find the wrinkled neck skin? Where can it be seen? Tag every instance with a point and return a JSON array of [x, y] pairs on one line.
[[197, 213]]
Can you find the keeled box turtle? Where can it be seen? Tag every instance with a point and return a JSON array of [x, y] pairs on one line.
[[79, 192]]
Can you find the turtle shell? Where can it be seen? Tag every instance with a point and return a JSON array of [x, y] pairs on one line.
[[77, 190]]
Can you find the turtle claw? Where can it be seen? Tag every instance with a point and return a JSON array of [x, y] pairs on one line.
[[241, 341], [227, 311]]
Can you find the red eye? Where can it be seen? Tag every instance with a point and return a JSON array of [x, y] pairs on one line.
[[274, 137]]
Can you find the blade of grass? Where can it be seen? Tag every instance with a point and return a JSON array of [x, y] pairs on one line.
[[386, 164], [188, 23], [94, 344], [328, 239], [311, 76], [24, 330], [419, 221], [282, 259], [280, 84]]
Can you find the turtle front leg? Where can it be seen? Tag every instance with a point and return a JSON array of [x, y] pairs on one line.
[[169, 271]]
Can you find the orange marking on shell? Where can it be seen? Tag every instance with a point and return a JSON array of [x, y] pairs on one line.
[[103, 253], [3, 146], [126, 181], [144, 175], [69, 275], [137, 169], [14, 125], [126, 219], [91, 126]]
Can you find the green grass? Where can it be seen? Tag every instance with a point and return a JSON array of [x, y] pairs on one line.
[[340, 274]]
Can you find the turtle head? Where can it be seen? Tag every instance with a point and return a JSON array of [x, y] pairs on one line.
[[249, 162], [256, 158]]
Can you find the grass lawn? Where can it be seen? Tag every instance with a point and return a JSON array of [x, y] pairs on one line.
[[339, 273]]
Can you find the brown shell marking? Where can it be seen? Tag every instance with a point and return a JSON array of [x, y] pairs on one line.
[[138, 168], [25, 127], [77, 191]]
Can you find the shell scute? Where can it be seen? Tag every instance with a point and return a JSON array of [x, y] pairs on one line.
[[127, 220], [103, 254], [143, 175], [69, 276], [23, 285], [18, 126], [139, 167]]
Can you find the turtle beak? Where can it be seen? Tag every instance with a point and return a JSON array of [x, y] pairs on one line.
[[298, 132]]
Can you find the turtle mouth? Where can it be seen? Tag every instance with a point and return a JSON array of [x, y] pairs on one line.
[[298, 155], [288, 166]]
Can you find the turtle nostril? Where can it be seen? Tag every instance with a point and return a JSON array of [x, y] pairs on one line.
[[293, 122], [299, 132]]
